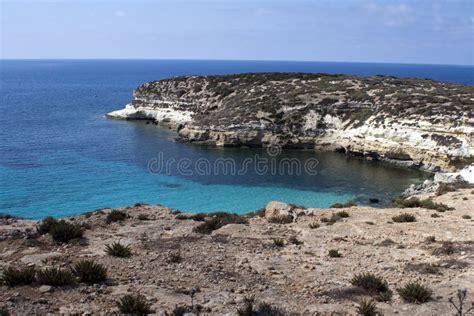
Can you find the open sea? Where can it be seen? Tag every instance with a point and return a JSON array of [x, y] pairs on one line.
[[60, 156]]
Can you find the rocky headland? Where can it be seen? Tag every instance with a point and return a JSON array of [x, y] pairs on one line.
[[289, 259], [411, 122]]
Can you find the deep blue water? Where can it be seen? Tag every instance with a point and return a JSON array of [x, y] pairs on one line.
[[60, 156]]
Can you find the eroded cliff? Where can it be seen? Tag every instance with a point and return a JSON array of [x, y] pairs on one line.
[[413, 122]]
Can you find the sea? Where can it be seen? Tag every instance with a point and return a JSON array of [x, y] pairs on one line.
[[60, 156]]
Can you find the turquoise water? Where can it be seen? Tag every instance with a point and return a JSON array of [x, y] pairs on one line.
[[60, 156]]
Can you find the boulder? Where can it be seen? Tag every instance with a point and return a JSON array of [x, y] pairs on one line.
[[276, 209]]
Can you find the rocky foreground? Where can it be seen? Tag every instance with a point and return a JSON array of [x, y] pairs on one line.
[[280, 256], [412, 122]]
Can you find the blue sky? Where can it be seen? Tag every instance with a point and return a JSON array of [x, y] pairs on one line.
[[416, 31]]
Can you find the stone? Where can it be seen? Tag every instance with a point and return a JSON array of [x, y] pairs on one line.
[[276, 209], [46, 289]]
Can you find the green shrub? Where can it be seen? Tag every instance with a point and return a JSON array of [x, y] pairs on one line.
[[55, 277], [198, 217], [175, 257], [466, 217], [8, 216], [404, 218], [18, 276], [90, 272], [182, 310], [435, 215], [280, 220], [415, 292], [313, 225], [140, 204], [182, 217], [218, 220], [134, 304], [373, 284], [416, 202], [45, 226], [143, 217], [250, 308], [333, 253], [63, 231], [278, 242], [367, 308], [342, 214], [4, 311], [116, 216], [295, 241], [257, 213], [430, 239], [343, 205], [118, 250]]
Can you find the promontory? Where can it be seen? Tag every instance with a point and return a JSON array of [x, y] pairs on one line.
[[413, 122]]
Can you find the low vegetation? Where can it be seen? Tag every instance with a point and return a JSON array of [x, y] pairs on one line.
[[251, 308], [134, 304], [90, 272], [333, 253], [118, 250], [426, 203], [278, 242], [116, 216], [175, 257], [373, 284], [257, 213], [295, 241], [61, 231], [218, 220], [447, 248], [342, 214], [18, 276], [64, 232], [404, 218], [415, 292], [45, 225], [55, 276], [143, 217], [280, 220], [367, 308]]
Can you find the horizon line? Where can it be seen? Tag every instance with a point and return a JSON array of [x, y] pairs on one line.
[[237, 60]]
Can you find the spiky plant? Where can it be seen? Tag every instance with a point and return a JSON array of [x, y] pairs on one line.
[[18, 276], [90, 272], [118, 250], [415, 292], [55, 276], [134, 304]]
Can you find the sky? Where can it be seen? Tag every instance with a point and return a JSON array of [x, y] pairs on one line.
[[396, 31]]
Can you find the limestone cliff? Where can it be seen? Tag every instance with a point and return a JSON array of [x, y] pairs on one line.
[[414, 122]]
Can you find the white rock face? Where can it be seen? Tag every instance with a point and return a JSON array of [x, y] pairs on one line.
[[168, 114]]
